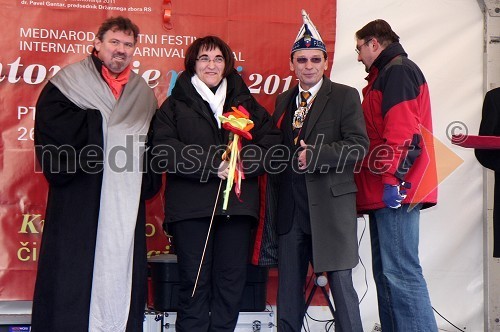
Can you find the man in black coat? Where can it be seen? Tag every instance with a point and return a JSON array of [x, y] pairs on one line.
[[92, 270], [324, 131]]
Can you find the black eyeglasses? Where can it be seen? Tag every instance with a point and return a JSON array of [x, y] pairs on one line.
[[303, 60], [206, 59], [358, 48]]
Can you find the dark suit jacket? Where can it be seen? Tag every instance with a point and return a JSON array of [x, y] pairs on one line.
[[336, 128]]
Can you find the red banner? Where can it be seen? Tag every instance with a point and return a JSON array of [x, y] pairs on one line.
[[39, 37]]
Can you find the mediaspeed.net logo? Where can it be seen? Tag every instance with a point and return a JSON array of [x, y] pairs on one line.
[[442, 159]]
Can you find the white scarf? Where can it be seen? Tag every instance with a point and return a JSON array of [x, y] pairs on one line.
[[215, 100]]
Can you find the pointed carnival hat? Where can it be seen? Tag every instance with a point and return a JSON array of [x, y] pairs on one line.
[[308, 37]]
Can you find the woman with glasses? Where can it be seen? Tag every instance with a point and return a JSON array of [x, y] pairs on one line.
[[188, 143]]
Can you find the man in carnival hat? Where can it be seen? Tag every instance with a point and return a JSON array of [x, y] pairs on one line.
[[324, 136]]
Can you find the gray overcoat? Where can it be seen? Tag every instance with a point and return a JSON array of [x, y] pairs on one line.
[[336, 129]]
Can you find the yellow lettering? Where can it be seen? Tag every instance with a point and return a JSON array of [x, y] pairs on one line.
[[153, 253], [150, 230], [23, 252], [28, 223]]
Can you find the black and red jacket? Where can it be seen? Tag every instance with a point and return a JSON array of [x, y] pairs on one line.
[[397, 110]]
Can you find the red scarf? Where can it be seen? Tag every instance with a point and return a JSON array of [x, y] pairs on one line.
[[116, 84]]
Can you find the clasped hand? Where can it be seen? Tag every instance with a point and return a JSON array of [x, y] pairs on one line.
[[302, 156]]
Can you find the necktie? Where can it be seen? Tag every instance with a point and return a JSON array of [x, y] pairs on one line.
[[303, 98], [300, 114]]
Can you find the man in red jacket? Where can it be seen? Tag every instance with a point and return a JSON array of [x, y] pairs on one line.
[[398, 177]]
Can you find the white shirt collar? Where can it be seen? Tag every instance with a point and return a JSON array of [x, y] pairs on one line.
[[314, 90]]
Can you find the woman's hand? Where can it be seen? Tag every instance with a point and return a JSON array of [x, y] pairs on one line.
[[223, 171]]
